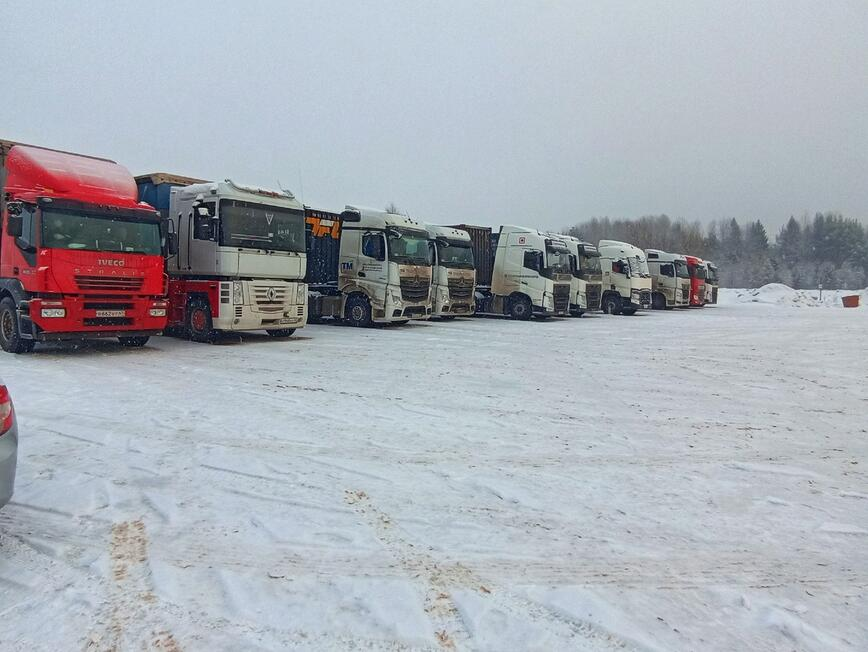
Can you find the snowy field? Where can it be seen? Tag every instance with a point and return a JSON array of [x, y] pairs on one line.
[[689, 480]]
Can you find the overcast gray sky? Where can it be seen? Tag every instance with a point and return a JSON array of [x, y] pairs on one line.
[[535, 113]]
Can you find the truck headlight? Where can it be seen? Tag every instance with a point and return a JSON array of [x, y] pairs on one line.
[[157, 312], [237, 293], [53, 313], [300, 294]]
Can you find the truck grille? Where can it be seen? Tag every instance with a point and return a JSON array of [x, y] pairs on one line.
[[412, 290], [594, 296], [714, 295], [109, 283], [269, 298], [685, 292], [460, 288], [645, 298], [562, 297]]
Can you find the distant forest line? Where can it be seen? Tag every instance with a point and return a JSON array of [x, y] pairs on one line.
[[827, 249]]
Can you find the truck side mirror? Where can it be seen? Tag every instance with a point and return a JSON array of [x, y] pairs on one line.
[[172, 244], [14, 225]]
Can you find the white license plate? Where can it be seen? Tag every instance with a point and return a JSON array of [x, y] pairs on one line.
[[285, 321], [111, 313]]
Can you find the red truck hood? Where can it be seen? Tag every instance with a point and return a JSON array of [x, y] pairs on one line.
[[100, 272]]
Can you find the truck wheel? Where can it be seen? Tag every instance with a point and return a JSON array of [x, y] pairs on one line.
[[10, 333], [135, 342], [358, 311], [520, 308], [281, 332], [612, 304], [200, 326], [628, 311], [658, 302]]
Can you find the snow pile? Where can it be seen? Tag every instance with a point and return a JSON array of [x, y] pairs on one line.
[[782, 295]]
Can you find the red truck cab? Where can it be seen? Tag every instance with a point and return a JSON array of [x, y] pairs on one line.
[[80, 257], [697, 270]]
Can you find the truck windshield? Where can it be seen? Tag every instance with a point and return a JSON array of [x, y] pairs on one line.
[[558, 261], [696, 271], [63, 229], [712, 275], [408, 247], [638, 266], [259, 226], [681, 270], [455, 255]]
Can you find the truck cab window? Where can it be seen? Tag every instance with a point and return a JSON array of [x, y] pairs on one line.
[[203, 221], [373, 246], [667, 270], [532, 260], [27, 239]]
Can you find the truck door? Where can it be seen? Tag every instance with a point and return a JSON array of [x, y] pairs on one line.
[[199, 237], [373, 268]]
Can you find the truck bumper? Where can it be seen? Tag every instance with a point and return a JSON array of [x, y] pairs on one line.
[[396, 309], [445, 306], [94, 317], [246, 317]]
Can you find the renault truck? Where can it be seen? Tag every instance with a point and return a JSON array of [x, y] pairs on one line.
[[453, 286], [670, 280], [80, 256], [520, 272], [240, 259], [367, 267], [626, 278]]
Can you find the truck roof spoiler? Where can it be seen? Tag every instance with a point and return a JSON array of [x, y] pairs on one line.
[[6, 145], [260, 191], [165, 177]]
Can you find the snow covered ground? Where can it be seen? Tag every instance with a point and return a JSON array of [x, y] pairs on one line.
[[782, 295], [688, 480]]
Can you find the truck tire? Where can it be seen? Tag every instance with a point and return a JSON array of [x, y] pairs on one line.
[[520, 307], [200, 326], [134, 342], [358, 311], [658, 301], [281, 332], [612, 304], [10, 331], [628, 311]]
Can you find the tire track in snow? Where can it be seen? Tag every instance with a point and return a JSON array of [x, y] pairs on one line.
[[449, 628], [130, 599], [441, 579]]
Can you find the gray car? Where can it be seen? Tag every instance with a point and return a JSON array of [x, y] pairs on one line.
[[8, 445]]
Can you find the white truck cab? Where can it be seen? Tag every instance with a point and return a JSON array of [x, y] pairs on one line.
[[368, 266], [240, 256], [626, 278], [670, 279], [453, 284], [586, 275], [712, 283], [520, 272]]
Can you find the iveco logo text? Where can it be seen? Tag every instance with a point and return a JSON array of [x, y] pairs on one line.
[[109, 262]]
